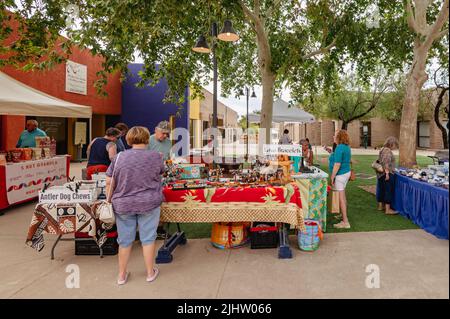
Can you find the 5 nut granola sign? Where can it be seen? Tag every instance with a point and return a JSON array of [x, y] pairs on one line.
[[25, 180]]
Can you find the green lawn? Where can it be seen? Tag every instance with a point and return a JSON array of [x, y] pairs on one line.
[[362, 210], [362, 206]]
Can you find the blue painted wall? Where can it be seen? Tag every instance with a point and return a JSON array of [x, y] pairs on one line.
[[145, 107]]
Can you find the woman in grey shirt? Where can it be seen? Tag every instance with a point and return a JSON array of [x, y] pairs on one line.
[[135, 177], [385, 180]]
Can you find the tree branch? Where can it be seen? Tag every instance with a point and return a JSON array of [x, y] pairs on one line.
[[274, 6], [435, 29], [441, 34], [251, 15], [410, 16], [320, 51], [257, 8]]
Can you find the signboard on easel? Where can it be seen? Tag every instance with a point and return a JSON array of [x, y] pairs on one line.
[[80, 137]]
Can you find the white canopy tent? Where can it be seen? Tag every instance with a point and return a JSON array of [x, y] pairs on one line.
[[17, 98], [283, 113]]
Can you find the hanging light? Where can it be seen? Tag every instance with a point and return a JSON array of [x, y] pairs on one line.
[[201, 46], [253, 94], [228, 34]]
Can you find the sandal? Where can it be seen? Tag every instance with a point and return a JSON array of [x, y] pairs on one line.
[[342, 225], [155, 274], [391, 212], [123, 282]]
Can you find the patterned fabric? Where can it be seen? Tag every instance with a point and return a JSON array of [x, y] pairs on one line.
[[64, 219], [314, 195], [387, 159], [240, 204]]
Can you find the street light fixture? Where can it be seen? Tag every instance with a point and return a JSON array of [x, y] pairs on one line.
[[247, 93], [227, 34]]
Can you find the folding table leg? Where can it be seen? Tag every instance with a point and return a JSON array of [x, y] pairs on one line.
[[54, 246]]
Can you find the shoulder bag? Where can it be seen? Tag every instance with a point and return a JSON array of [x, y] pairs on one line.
[[376, 165], [105, 209]]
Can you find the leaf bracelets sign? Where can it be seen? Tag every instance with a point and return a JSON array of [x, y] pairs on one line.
[[280, 149]]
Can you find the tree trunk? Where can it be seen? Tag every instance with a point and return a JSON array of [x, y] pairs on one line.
[[437, 110], [408, 126], [344, 125], [268, 81]]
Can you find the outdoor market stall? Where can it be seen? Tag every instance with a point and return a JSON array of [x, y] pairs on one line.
[[25, 171], [279, 204], [21, 182], [67, 210], [425, 203]]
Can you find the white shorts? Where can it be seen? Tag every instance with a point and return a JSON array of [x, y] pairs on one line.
[[341, 181]]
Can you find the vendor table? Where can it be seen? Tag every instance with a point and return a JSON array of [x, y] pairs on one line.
[[64, 219], [236, 204], [313, 191], [426, 205], [21, 182]]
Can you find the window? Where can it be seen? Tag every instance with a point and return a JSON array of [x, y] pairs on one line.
[[424, 134]]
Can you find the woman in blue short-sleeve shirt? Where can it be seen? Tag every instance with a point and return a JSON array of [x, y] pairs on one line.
[[341, 173]]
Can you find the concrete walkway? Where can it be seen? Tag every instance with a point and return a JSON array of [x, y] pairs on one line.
[[412, 264]]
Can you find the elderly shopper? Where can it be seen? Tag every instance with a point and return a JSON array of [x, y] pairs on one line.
[[385, 179], [341, 173], [100, 152], [160, 141], [136, 198]]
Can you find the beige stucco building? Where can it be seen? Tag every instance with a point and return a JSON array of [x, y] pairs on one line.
[[377, 130]]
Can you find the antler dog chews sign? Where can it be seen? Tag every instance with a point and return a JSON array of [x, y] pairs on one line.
[[280, 149]]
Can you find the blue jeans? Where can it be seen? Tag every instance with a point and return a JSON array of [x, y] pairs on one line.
[[385, 189], [127, 224]]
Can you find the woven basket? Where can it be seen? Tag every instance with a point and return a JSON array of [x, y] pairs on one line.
[[309, 240], [229, 235]]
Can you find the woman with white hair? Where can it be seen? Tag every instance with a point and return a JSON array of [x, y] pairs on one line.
[[385, 179]]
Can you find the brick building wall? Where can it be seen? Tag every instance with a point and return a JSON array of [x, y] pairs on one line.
[[436, 141], [313, 133], [382, 129], [327, 132]]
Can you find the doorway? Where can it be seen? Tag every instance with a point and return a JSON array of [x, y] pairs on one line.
[[366, 134]]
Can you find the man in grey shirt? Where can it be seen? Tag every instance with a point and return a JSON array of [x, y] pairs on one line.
[[160, 141], [285, 139]]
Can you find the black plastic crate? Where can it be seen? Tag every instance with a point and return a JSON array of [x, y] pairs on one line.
[[263, 235], [89, 247]]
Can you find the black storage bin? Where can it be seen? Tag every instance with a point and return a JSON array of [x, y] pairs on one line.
[[263, 235], [84, 246]]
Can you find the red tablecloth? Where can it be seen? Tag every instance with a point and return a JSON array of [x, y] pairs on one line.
[[28, 181], [239, 204]]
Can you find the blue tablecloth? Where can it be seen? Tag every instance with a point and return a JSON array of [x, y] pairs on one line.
[[426, 205]]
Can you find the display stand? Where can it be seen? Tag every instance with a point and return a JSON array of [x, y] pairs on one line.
[[170, 243], [179, 238]]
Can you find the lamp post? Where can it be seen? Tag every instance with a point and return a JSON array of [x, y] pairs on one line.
[[227, 34], [247, 94]]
